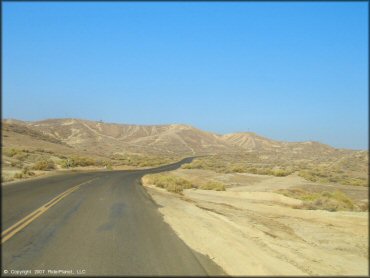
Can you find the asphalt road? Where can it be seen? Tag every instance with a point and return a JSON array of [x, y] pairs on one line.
[[108, 225]]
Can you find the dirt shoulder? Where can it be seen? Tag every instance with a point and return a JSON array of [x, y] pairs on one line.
[[251, 230]]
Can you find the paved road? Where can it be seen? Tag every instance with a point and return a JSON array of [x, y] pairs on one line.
[[107, 226]]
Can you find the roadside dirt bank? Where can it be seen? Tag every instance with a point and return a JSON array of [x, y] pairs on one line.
[[249, 230]]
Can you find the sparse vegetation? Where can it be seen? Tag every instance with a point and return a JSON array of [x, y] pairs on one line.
[[216, 164], [44, 165], [169, 182], [212, 185], [331, 201], [78, 161], [18, 176], [141, 160], [325, 175], [26, 171], [177, 184], [314, 162], [349, 170], [24, 130]]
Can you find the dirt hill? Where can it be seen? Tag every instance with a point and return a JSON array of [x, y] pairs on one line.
[[119, 138], [110, 138], [99, 144]]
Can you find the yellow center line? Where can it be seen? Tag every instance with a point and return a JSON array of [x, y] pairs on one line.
[[11, 231]]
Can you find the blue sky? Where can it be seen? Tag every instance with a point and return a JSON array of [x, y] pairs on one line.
[[290, 71]]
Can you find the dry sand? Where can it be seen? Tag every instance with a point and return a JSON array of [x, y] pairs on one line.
[[250, 230]]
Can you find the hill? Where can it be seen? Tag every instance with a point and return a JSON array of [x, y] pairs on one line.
[[96, 143], [175, 139], [109, 138]]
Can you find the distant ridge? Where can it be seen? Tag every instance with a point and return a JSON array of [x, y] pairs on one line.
[[179, 139]]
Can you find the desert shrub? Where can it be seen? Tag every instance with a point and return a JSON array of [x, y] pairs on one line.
[[331, 201], [321, 169], [64, 163], [7, 179], [342, 197], [281, 172], [221, 166], [252, 170], [212, 185], [82, 161], [238, 169], [16, 153], [307, 175], [169, 182], [13, 152], [356, 182], [177, 184], [77, 161], [141, 160], [208, 164], [18, 176], [26, 171], [44, 165], [318, 175], [21, 156], [364, 206], [17, 164], [187, 166]]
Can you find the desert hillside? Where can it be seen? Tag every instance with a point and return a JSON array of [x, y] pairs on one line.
[[109, 138], [92, 143]]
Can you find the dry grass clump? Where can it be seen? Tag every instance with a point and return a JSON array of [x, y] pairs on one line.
[[44, 165], [24, 174], [327, 175], [19, 154], [210, 163], [78, 161], [347, 168], [141, 160], [212, 185], [331, 201], [16, 164], [224, 166], [7, 178], [177, 184], [169, 182]]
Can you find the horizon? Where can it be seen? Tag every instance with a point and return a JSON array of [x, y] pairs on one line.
[[291, 72]]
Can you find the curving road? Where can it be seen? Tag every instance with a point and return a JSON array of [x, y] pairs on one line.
[[97, 223]]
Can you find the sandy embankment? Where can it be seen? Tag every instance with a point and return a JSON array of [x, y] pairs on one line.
[[258, 232]]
